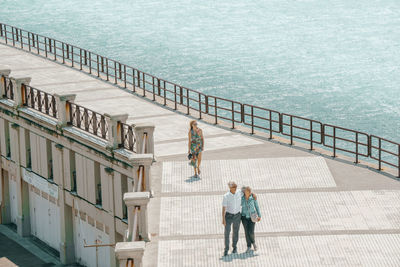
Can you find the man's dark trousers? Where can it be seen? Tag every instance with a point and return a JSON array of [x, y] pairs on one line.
[[232, 219]]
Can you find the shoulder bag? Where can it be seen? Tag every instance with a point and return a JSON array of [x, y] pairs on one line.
[[253, 216]]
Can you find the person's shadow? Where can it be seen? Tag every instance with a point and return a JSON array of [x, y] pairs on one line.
[[240, 256], [192, 179]]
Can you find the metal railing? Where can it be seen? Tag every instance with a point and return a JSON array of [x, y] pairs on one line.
[[39, 100], [88, 120], [8, 88], [128, 138], [80, 117], [336, 138]]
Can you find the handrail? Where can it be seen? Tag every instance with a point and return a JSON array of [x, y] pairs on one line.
[[192, 100]]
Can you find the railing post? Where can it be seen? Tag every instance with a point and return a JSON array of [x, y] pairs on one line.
[[63, 108], [380, 154], [187, 102], [291, 130], [215, 111], [252, 120], [334, 142], [175, 104], [17, 85], [233, 115], [126, 252], [144, 130], [115, 128], [132, 201], [311, 136], [270, 124], [398, 156], [200, 106], [181, 95], [206, 104], [3, 72], [356, 148]]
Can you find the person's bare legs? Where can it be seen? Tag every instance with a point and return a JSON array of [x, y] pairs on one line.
[[194, 167], [199, 162]]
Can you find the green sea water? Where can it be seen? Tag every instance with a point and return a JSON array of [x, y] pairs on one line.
[[335, 61]]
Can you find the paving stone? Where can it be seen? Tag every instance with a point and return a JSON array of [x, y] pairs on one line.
[[267, 173], [319, 250], [287, 212]]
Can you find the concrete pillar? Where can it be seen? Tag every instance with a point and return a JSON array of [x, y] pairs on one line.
[[63, 108], [3, 72], [133, 200], [5, 207], [141, 130], [130, 250], [23, 218], [67, 250], [142, 161], [17, 85], [115, 128]]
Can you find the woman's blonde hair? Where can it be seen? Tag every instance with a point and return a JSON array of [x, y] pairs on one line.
[[245, 188], [191, 124]]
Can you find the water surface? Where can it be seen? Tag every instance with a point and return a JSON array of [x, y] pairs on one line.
[[336, 61]]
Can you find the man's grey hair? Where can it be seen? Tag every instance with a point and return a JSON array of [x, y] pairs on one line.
[[232, 184]]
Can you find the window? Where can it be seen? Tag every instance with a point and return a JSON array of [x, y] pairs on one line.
[[72, 170], [49, 160], [7, 136], [97, 182], [28, 150], [124, 185]]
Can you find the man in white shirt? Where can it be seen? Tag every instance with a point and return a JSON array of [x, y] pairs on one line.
[[231, 208]]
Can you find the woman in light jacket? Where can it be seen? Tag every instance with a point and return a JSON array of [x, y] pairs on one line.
[[249, 207]]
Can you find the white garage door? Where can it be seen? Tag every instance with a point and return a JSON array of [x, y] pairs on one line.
[[88, 256], [13, 200], [45, 218]]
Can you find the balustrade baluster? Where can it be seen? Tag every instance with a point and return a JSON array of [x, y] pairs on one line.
[[103, 127], [46, 103], [39, 101], [95, 125], [86, 119]]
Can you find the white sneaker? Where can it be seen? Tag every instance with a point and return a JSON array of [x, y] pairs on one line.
[[248, 250]]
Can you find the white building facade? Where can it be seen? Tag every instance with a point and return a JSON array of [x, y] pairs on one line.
[[75, 179]]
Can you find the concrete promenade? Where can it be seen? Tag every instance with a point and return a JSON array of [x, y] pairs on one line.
[[316, 211]]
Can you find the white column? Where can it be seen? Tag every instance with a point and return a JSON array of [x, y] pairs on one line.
[[133, 200], [17, 86], [23, 220], [3, 72], [130, 250], [144, 160], [114, 128], [67, 249], [63, 108], [141, 130]]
